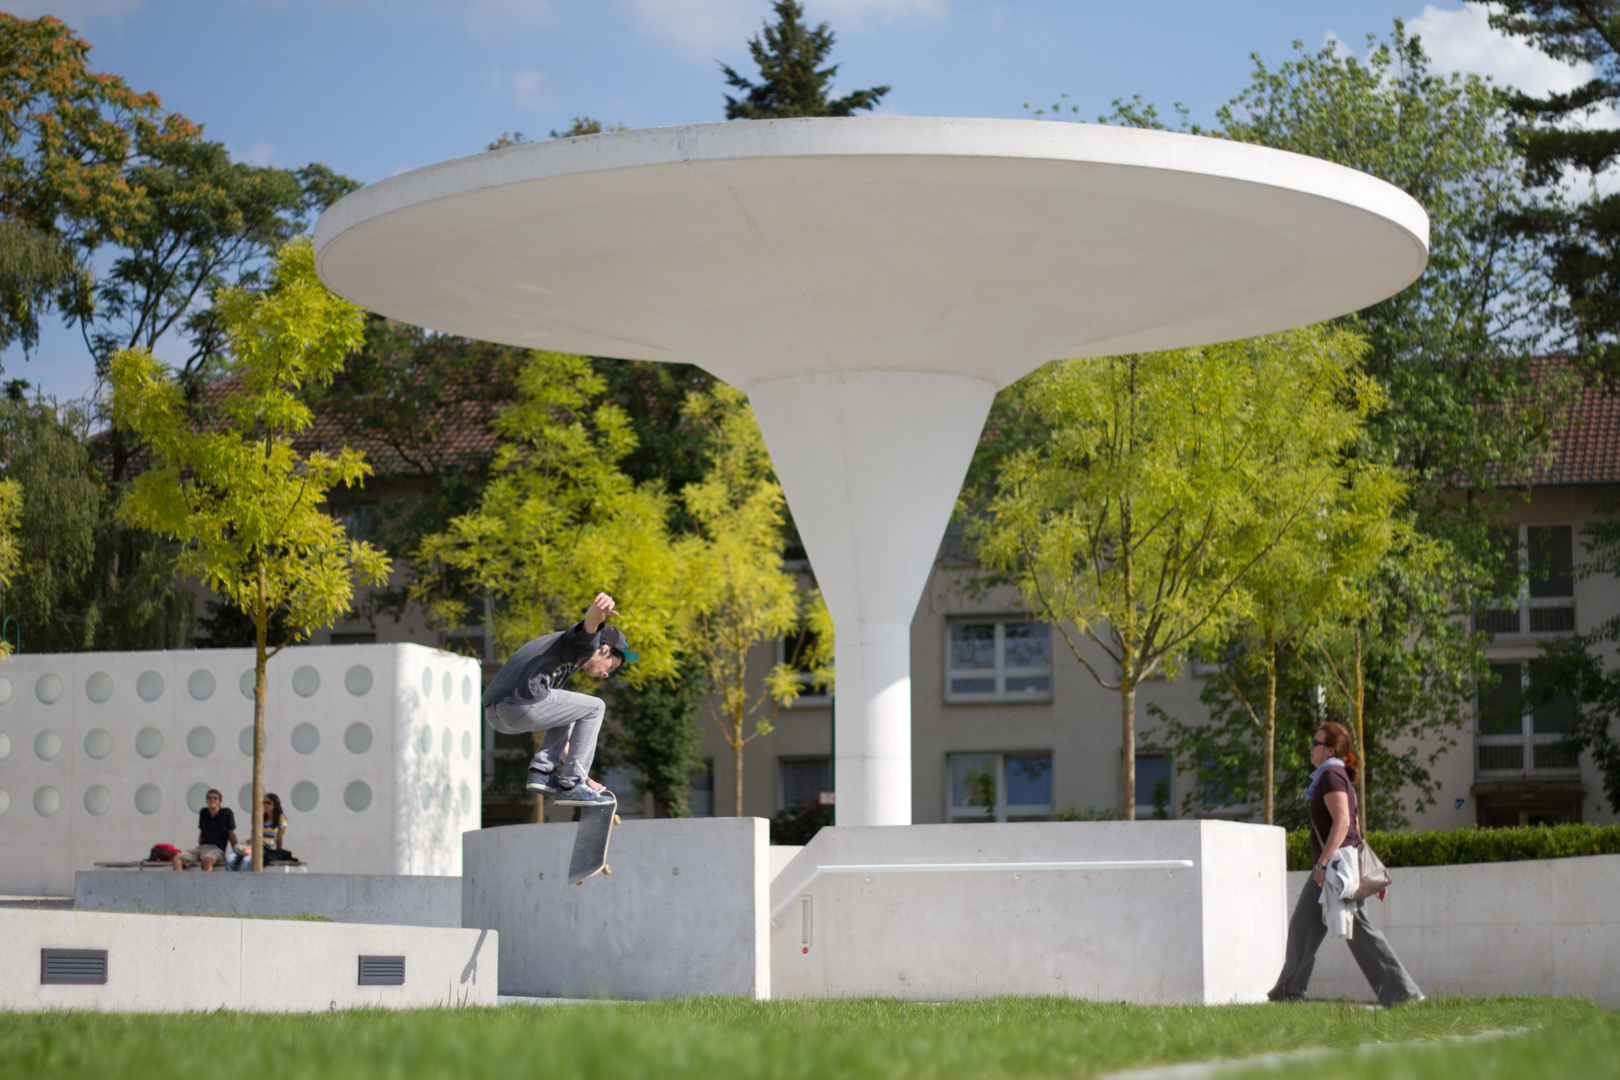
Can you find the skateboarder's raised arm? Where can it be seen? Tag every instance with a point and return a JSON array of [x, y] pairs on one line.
[[600, 611]]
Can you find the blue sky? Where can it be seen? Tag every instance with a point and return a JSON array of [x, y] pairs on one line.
[[375, 87]]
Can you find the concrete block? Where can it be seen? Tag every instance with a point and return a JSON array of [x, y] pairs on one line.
[[1211, 933], [385, 899], [683, 912], [177, 963]]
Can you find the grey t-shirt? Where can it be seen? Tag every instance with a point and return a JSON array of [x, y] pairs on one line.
[[542, 665]]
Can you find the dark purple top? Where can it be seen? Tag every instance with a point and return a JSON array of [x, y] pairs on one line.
[[1335, 779]]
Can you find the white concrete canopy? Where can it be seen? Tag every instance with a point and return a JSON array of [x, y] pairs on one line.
[[871, 282]]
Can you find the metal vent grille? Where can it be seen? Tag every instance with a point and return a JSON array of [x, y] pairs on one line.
[[74, 967], [382, 971]]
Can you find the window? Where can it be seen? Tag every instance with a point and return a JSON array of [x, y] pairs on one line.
[[1517, 737], [358, 638], [794, 650], [1537, 564], [625, 783], [1000, 787], [1001, 660], [700, 795], [801, 780], [1155, 786]]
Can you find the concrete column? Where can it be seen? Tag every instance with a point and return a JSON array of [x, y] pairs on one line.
[[872, 463]]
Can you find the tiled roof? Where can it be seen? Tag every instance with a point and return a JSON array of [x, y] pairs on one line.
[[1588, 442]]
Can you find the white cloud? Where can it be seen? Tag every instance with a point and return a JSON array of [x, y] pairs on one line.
[[261, 153], [527, 89], [1463, 40]]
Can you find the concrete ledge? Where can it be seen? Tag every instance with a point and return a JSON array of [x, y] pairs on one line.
[[682, 914], [177, 963], [383, 899], [1543, 926], [1209, 933]]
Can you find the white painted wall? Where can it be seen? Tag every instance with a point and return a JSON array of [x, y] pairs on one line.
[[683, 912], [177, 963], [1547, 926], [384, 899], [1210, 934], [103, 755]]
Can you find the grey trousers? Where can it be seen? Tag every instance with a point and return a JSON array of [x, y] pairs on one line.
[[1376, 959], [570, 721]]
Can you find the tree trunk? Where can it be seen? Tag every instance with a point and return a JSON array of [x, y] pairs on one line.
[[736, 769], [1268, 798], [537, 813], [1361, 740], [1127, 741], [261, 620]]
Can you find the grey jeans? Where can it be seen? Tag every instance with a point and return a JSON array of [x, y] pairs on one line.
[[570, 721], [1377, 960]]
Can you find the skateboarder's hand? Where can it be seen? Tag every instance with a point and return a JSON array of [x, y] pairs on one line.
[[592, 784], [600, 611]]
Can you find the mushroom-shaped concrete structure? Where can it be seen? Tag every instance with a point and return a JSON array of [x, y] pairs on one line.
[[871, 282]]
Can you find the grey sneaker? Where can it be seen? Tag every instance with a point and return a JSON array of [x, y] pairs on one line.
[[541, 782], [582, 795]]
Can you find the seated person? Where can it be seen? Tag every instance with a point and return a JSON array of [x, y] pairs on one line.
[[275, 835], [216, 834]]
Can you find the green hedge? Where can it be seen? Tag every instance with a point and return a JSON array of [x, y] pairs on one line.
[[1475, 845]]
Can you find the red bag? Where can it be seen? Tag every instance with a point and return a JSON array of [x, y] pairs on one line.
[[162, 853]]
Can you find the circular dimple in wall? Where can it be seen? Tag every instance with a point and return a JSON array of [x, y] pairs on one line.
[[466, 744], [427, 739], [200, 741], [98, 743], [304, 796], [5, 801], [244, 799], [200, 685], [357, 680], [148, 799], [244, 741], [446, 685], [306, 738], [448, 742], [466, 689], [197, 797], [306, 681], [47, 745], [5, 746], [357, 796], [427, 795], [98, 687], [97, 799], [48, 689], [5, 689], [357, 737], [245, 684], [427, 682], [466, 798], [444, 798], [47, 801], [149, 686], [149, 742]]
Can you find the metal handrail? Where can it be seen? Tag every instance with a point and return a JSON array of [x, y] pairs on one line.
[[916, 868]]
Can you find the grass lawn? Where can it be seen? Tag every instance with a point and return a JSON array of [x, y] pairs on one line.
[[724, 1038]]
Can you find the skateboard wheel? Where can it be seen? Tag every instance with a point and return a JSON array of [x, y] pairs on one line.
[[606, 869], [616, 820]]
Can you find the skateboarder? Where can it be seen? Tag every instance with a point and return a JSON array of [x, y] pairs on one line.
[[530, 694]]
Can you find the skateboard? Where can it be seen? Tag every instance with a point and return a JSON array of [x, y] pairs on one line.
[[591, 842]]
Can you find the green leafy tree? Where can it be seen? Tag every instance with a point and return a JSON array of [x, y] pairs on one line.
[[1581, 240], [232, 488], [735, 590], [11, 505], [658, 734], [1167, 480], [791, 81]]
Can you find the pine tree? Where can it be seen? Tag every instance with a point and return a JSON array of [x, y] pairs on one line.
[[790, 82]]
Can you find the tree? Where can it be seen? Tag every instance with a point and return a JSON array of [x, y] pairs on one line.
[[736, 591], [231, 487], [790, 83], [659, 736], [1583, 240], [11, 504], [1166, 481]]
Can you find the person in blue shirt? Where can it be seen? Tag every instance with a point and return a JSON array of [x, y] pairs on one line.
[[530, 693]]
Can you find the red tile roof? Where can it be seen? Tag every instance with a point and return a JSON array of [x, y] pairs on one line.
[[1588, 443]]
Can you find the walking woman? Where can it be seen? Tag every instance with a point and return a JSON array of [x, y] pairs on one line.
[[1331, 800]]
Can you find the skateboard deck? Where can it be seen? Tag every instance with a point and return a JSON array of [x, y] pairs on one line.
[[591, 842]]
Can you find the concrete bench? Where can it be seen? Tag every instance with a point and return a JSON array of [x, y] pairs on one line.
[[289, 866]]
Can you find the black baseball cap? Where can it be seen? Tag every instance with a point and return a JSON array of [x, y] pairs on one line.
[[613, 638]]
